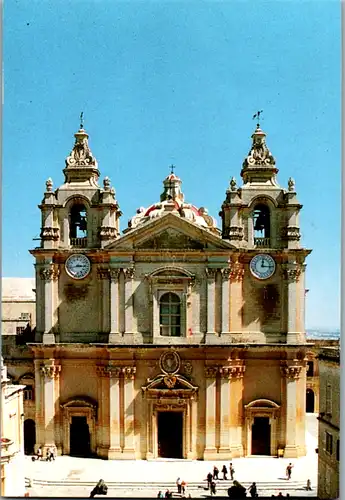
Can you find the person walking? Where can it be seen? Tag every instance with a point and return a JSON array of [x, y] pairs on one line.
[[215, 473], [289, 470], [252, 490], [39, 453], [160, 494], [231, 471], [183, 487], [209, 480], [51, 454], [213, 488], [225, 473], [178, 484], [308, 485]]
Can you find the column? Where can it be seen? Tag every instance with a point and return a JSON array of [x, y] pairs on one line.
[[210, 451], [291, 374], [225, 300], [114, 335], [114, 373], [224, 409], [129, 275], [236, 298], [49, 274], [237, 369], [211, 301], [291, 274], [129, 422], [49, 373]]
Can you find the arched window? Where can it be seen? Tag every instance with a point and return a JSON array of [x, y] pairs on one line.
[[29, 393], [78, 225], [170, 315], [261, 224]]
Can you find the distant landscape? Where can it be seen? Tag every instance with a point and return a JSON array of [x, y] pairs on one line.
[[322, 333]]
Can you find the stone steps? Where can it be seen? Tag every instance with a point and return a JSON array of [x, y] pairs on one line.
[[163, 485]]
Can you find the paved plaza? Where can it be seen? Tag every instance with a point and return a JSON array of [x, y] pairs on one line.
[[75, 477]]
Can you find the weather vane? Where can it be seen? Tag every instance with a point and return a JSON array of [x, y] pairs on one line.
[[172, 168], [257, 115], [81, 119]]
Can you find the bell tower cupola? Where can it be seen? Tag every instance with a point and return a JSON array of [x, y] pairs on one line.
[[81, 165], [259, 165]]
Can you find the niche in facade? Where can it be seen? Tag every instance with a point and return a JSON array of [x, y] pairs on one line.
[[78, 221]]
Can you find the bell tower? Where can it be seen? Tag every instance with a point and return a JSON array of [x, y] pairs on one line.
[[79, 217], [261, 219], [260, 213]]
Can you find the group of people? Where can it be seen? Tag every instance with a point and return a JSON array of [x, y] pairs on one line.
[[215, 474], [50, 455]]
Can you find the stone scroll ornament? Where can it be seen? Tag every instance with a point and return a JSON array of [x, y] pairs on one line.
[[50, 371], [291, 372], [50, 273]]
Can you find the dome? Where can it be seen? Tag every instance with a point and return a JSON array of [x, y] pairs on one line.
[[172, 200]]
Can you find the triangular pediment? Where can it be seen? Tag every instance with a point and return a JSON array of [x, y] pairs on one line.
[[169, 232]]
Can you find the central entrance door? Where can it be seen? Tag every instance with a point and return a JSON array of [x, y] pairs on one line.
[[170, 434], [79, 437], [261, 436]]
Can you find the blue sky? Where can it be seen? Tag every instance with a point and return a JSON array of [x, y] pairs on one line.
[[164, 82]]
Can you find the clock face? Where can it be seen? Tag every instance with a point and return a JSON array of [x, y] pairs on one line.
[[78, 266], [262, 266]]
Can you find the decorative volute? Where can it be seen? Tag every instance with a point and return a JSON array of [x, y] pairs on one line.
[[81, 165], [259, 166]]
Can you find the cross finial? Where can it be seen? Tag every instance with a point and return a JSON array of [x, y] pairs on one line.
[[172, 168], [81, 119], [257, 115]]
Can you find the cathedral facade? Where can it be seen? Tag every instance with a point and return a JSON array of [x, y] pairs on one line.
[[175, 338]]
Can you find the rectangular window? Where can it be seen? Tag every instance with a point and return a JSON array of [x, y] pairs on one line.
[[310, 369], [329, 443], [20, 330], [28, 393]]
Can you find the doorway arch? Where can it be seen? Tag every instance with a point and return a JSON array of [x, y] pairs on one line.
[[310, 401], [261, 426], [29, 436]]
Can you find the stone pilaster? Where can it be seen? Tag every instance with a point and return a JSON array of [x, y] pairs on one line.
[[39, 404], [210, 451], [211, 301], [129, 275], [114, 373], [103, 427], [291, 274], [291, 373], [225, 299], [129, 415], [236, 298], [225, 374], [49, 372], [103, 276], [49, 274], [114, 275], [236, 368]]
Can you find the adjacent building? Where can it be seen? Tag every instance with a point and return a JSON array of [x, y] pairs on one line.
[[329, 423], [175, 338], [12, 441]]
